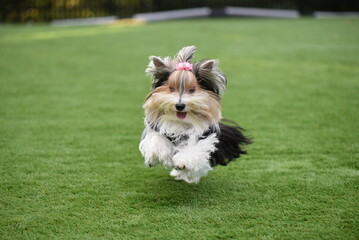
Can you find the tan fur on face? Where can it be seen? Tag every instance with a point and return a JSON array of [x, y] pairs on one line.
[[182, 86], [182, 82], [205, 105], [158, 103]]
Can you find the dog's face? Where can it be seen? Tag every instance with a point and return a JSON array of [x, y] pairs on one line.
[[181, 98], [184, 96]]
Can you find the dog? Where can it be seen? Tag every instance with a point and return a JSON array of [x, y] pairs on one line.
[[184, 130]]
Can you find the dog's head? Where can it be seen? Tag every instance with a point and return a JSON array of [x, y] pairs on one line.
[[184, 93]]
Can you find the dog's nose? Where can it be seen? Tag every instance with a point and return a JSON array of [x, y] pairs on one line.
[[180, 106]]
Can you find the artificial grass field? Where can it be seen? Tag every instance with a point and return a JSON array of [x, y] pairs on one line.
[[71, 120]]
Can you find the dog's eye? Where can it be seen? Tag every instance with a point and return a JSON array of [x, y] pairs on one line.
[[192, 90], [172, 89]]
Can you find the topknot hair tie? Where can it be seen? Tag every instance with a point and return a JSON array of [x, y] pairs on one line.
[[184, 66]]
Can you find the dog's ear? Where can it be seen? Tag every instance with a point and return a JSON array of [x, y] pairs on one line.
[[210, 76], [159, 69]]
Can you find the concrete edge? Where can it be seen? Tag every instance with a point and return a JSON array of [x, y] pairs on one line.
[[261, 12], [320, 14], [174, 14], [84, 21]]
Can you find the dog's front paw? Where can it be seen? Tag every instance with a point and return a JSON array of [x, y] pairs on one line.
[[156, 149], [151, 162], [179, 162], [181, 167]]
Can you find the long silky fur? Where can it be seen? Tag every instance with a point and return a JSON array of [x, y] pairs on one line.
[[210, 76], [186, 54], [202, 140], [160, 69], [231, 143]]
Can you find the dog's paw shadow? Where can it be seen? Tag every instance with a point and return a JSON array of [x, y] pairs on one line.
[[166, 192]]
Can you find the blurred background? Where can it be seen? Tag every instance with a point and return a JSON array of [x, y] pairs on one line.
[[47, 10], [71, 120]]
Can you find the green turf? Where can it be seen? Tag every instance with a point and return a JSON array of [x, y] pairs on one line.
[[71, 120]]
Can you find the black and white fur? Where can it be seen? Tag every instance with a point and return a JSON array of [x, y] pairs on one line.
[[183, 131]]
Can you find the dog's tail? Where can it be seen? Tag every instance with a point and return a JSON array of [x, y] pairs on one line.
[[231, 143]]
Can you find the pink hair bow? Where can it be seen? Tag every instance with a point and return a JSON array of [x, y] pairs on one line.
[[184, 66]]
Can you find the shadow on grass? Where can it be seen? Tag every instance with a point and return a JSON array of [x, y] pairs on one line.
[[166, 192]]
